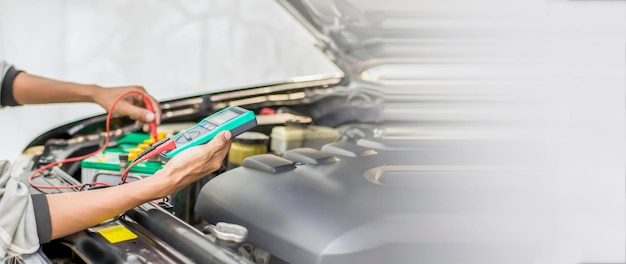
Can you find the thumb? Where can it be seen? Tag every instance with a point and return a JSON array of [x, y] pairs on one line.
[[219, 141], [135, 112]]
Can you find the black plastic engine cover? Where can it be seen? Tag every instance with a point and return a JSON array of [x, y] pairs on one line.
[[401, 203]]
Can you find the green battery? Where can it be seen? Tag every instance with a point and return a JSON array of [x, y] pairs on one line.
[[108, 162]]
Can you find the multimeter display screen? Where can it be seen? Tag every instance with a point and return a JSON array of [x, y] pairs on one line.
[[223, 117]]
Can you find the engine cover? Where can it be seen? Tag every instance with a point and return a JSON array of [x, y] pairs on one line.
[[370, 202]]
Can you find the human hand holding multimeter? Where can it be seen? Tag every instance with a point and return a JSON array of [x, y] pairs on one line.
[[235, 119]]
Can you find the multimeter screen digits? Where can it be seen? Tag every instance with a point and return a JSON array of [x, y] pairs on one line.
[[234, 118], [222, 117]]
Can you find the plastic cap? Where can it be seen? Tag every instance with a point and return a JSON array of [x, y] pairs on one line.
[[135, 151], [161, 135], [143, 146], [230, 232]]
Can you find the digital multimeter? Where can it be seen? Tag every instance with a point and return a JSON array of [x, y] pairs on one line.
[[233, 118]]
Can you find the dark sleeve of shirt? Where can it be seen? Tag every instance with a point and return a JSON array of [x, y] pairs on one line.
[[7, 77], [42, 217]]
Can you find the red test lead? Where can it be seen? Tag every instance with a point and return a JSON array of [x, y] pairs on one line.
[[149, 106]]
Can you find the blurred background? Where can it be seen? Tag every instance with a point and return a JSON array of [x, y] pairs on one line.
[[172, 48], [575, 53]]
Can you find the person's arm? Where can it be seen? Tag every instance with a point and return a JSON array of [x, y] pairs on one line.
[[72, 212], [31, 89]]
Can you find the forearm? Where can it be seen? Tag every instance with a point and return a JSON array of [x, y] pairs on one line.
[[72, 212], [32, 89]]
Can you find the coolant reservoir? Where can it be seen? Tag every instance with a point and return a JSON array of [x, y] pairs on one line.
[[245, 145], [289, 137]]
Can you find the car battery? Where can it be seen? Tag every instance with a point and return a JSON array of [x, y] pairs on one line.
[[289, 137], [107, 166]]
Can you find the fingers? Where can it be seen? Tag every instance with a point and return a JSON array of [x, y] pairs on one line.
[[197, 162], [135, 112], [155, 104], [157, 109], [219, 142], [136, 99], [132, 105], [217, 149], [211, 149]]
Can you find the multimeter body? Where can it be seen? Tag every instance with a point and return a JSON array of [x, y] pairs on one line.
[[233, 118]]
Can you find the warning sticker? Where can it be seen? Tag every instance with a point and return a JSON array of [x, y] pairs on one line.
[[117, 233]]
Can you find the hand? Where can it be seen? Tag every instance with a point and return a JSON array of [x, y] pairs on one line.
[[185, 168], [196, 162], [131, 105]]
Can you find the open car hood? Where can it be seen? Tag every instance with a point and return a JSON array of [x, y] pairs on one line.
[[357, 35]]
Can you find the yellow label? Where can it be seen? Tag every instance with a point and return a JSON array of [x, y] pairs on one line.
[[116, 233]]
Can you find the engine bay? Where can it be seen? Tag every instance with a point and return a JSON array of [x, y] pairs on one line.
[[333, 175], [176, 228]]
